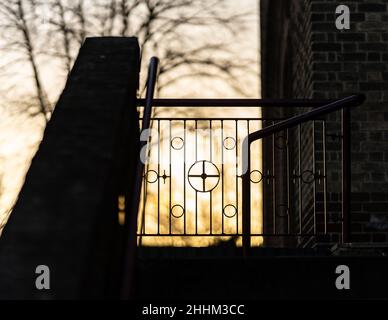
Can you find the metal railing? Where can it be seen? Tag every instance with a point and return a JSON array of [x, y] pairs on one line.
[[218, 195], [130, 236], [344, 105]]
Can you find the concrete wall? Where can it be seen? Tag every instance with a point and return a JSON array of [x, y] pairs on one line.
[[66, 216]]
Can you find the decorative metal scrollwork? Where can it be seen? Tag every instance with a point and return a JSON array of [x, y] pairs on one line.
[[177, 143], [308, 176], [230, 143], [174, 210], [164, 176], [259, 178], [151, 176], [229, 211], [204, 176]]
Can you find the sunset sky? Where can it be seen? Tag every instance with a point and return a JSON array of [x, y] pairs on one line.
[[20, 133]]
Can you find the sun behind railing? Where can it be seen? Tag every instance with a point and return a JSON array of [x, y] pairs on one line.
[[192, 182]]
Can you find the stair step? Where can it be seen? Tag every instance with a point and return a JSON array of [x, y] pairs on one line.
[[258, 278]]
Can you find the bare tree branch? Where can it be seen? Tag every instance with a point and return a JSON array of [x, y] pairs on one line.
[[61, 27], [14, 11], [185, 34]]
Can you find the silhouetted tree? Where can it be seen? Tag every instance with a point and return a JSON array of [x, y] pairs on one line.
[[19, 32], [183, 33], [60, 26]]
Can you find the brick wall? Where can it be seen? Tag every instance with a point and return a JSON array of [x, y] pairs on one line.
[[323, 62]]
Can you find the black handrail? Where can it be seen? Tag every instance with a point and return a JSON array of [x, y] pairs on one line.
[[255, 103], [342, 104], [130, 236]]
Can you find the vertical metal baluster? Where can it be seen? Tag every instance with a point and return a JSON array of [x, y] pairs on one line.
[[184, 178], [314, 185], [196, 192], [196, 212], [170, 182], [249, 152], [196, 140], [300, 178], [159, 157], [288, 183], [222, 178], [143, 231], [237, 194], [143, 217], [246, 199], [325, 176], [211, 192], [263, 181], [273, 183], [346, 175], [140, 228], [211, 140]]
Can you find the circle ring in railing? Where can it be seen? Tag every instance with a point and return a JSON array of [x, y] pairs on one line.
[[229, 143], [285, 215], [148, 176], [204, 175], [308, 176], [281, 142], [229, 215], [177, 216], [256, 181], [177, 143]]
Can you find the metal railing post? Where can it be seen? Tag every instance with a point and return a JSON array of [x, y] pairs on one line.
[[130, 236], [246, 198], [346, 175]]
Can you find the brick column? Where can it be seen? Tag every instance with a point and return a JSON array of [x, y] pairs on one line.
[[66, 217]]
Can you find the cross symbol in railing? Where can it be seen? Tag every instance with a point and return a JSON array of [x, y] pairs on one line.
[[204, 175]]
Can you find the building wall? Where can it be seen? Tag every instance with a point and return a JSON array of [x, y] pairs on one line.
[[307, 57]]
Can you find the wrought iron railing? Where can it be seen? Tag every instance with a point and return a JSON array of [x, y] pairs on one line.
[[192, 185], [185, 188], [189, 193], [202, 173], [199, 172], [285, 125]]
